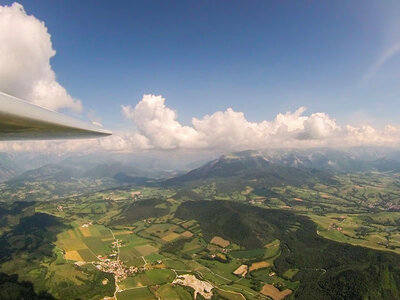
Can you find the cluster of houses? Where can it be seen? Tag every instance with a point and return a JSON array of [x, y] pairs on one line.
[[334, 226], [116, 244], [86, 225], [116, 267]]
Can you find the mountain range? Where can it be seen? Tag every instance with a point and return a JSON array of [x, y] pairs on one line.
[[292, 165]]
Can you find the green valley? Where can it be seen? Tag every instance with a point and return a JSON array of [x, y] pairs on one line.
[[211, 238]]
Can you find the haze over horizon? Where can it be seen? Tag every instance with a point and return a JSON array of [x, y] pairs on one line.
[[207, 76]]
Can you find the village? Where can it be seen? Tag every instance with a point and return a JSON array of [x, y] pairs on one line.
[[116, 267]]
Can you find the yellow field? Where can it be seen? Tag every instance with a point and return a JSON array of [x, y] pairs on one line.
[[160, 266], [188, 224], [171, 236], [259, 265], [73, 255], [85, 231], [271, 291], [187, 234], [146, 249], [219, 241], [72, 234], [241, 271]]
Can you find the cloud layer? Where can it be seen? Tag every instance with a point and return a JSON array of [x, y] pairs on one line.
[[25, 53], [158, 128]]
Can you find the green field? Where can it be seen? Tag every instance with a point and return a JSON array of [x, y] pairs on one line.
[[249, 253], [149, 278], [169, 292], [139, 294], [306, 233]]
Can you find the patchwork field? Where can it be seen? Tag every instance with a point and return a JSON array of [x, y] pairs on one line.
[[85, 243], [146, 250], [187, 234], [271, 291], [259, 265], [377, 231], [216, 240], [149, 278], [129, 254], [244, 250], [73, 255], [171, 236], [194, 245], [241, 271]]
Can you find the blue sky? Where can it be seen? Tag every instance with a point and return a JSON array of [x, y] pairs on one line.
[[258, 57]]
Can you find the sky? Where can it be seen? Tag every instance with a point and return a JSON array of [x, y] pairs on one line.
[[209, 74]]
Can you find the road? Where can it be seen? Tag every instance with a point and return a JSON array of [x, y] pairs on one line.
[[117, 288]]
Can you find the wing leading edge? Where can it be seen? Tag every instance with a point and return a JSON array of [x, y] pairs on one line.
[[20, 120]]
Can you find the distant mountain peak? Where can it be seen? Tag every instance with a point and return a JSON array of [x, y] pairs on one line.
[[241, 154], [249, 166]]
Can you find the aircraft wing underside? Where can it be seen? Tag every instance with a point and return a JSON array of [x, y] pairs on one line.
[[20, 120]]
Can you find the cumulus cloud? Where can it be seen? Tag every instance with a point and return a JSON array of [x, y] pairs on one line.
[[158, 123], [158, 128], [227, 130], [25, 53], [318, 126]]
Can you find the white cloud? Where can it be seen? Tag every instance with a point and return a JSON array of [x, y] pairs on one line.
[[230, 130], [226, 130], [25, 53], [158, 128], [223, 131], [158, 123], [318, 126]]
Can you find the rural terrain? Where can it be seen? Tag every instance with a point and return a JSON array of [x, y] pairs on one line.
[[247, 225]]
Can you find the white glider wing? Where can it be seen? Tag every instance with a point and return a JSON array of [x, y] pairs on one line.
[[20, 120]]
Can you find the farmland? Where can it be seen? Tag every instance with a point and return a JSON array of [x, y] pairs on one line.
[[157, 248], [254, 243]]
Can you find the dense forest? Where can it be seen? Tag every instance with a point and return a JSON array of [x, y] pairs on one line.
[[328, 269]]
